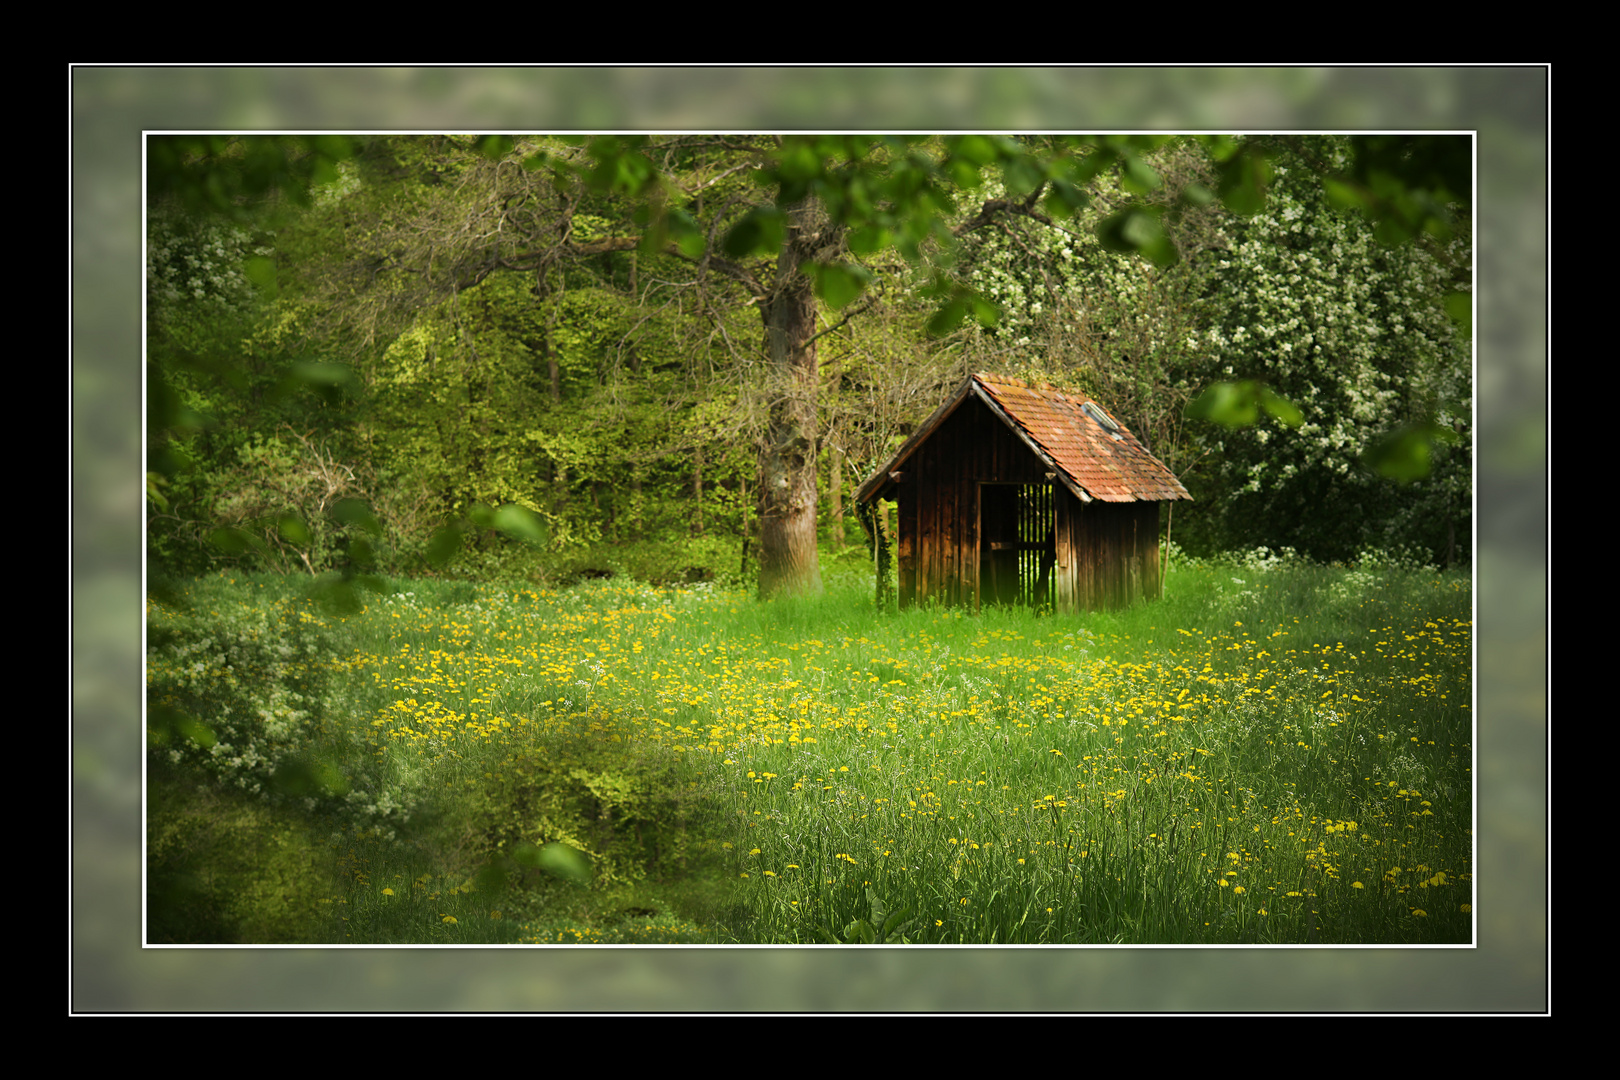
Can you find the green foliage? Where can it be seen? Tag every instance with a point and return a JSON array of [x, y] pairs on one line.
[[588, 813], [1327, 324], [1236, 405], [415, 326], [236, 693], [883, 927], [226, 868], [1407, 453], [227, 174]]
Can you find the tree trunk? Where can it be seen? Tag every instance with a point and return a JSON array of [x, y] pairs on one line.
[[787, 462]]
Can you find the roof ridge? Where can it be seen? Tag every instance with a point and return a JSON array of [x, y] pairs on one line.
[[1030, 384], [1098, 456]]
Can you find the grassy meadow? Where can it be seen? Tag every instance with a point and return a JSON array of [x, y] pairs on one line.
[[1274, 753]]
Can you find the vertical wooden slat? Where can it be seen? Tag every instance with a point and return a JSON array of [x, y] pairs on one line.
[[907, 547]]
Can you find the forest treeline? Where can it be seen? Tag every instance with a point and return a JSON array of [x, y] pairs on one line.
[[678, 356]]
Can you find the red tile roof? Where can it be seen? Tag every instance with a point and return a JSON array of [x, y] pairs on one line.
[[1055, 425], [1106, 468]]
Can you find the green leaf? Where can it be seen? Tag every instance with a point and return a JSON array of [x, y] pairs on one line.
[[859, 931], [522, 523], [1232, 404], [839, 283], [1022, 174], [1243, 180], [328, 380], [355, 512], [1460, 306], [1346, 196], [443, 546], [234, 541], [360, 554], [799, 162], [1064, 199], [1139, 177], [948, 317], [293, 530], [978, 150], [1238, 404], [335, 595], [964, 174], [759, 232], [1281, 409], [165, 723], [984, 310], [494, 147], [1135, 230], [1407, 453], [154, 493], [491, 879], [565, 862], [1197, 195], [309, 779], [869, 239], [683, 228], [261, 270]]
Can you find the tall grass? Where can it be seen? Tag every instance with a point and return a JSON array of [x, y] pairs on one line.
[[1273, 753]]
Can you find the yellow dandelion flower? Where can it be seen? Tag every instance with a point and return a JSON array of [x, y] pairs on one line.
[[451, 919], [1353, 885], [1238, 890], [388, 892]]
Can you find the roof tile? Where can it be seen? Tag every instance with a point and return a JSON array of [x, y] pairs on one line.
[[1109, 468]]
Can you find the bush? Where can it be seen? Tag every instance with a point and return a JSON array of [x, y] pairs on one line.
[[225, 868]]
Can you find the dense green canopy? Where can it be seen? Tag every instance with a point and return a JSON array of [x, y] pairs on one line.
[[676, 355]]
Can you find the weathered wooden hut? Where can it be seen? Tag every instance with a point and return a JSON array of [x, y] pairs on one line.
[[1019, 493]]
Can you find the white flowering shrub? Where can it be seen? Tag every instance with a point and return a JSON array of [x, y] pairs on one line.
[[241, 694], [1261, 560], [237, 693], [192, 261], [1403, 558], [1121, 328], [1354, 333]]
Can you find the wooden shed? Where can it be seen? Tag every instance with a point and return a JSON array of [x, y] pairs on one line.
[[1018, 493]]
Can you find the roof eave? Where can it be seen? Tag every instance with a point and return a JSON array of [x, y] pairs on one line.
[[876, 484]]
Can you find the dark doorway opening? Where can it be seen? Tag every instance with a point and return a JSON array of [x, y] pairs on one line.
[[1017, 544]]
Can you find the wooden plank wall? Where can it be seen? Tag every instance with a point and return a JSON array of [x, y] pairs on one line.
[[941, 490], [1107, 553]]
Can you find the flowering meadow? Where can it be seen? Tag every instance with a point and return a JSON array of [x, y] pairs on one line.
[[1275, 753]]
